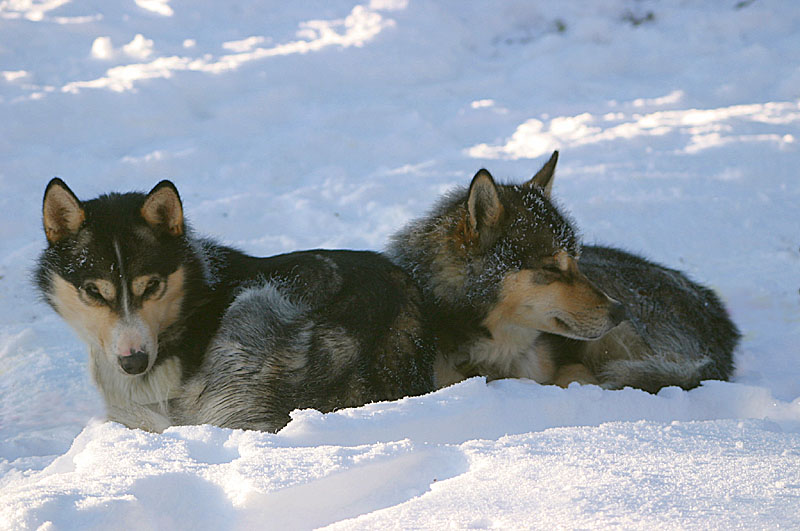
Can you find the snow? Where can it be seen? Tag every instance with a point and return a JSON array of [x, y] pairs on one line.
[[334, 123]]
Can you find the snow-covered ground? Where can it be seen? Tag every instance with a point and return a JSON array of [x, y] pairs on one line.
[[329, 123]]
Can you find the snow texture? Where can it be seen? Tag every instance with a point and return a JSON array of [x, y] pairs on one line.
[[333, 124]]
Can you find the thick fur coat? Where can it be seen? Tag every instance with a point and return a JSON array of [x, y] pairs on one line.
[[183, 330], [510, 292]]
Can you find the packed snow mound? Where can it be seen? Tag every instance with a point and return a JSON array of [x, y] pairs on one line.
[[491, 455]]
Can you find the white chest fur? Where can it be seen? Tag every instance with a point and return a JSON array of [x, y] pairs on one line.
[[511, 351], [157, 386]]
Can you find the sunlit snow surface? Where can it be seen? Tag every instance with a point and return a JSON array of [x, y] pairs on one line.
[[331, 124]]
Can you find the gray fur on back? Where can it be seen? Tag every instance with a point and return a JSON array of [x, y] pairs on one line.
[[686, 334], [261, 346]]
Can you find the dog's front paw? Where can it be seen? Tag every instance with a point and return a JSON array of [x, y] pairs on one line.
[[138, 417], [575, 372]]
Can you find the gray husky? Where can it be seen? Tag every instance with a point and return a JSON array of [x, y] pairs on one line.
[[510, 292], [183, 330]]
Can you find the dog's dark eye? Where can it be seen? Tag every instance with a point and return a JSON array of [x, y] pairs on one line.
[[94, 292], [153, 285]]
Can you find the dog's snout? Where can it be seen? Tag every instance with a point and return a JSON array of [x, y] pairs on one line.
[[617, 312], [134, 363]]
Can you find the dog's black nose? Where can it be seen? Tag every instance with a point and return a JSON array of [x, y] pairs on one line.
[[618, 313], [135, 363]]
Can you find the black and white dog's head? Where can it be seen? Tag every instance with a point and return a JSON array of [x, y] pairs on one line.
[[113, 269]]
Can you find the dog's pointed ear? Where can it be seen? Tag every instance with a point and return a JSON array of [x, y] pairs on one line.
[[544, 177], [62, 213], [162, 208], [484, 207]]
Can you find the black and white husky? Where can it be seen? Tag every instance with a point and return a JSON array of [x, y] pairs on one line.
[[183, 330]]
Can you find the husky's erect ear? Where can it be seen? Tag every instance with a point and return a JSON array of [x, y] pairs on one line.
[[62, 213], [484, 207], [544, 177], [162, 208]]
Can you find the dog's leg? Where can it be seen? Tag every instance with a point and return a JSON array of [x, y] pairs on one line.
[[447, 372], [574, 372], [137, 416], [621, 343]]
